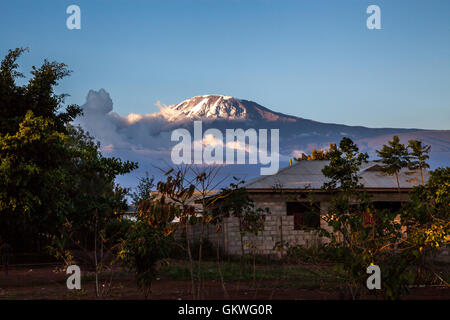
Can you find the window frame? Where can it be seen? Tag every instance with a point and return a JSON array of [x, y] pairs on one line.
[[302, 208]]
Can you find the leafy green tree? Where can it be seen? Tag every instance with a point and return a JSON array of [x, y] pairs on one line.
[[358, 241], [37, 95], [427, 222], [52, 175], [94, 200], [345, 163], [33, 134], [418, 156], [428, 213], [394, 158], [91, 187], [362, 235], [144, 189]]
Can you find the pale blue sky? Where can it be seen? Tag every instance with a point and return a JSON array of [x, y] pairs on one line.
[[313, 59]]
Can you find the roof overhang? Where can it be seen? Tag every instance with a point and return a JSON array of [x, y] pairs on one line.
[[266, 190]]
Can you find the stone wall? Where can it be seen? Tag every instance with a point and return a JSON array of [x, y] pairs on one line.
[[278, 227]]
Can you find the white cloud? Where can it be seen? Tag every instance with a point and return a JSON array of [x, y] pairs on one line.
[[145, 138]]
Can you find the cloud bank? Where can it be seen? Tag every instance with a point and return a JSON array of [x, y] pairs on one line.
[[134, 133], [145, 138]]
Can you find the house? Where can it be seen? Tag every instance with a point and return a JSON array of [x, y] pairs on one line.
[[286, 195]]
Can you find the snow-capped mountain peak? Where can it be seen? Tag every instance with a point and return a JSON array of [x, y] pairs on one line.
[[221, 107], [211, 106]]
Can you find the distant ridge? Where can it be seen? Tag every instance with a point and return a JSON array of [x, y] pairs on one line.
[[296, 134]]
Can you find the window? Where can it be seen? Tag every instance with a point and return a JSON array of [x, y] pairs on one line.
[[391, 206], [367, 219], [305, 214]]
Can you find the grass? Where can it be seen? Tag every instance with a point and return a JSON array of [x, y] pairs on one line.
[[290, 275]]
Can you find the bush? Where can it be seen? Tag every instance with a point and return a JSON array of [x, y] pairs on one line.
[[319, 253], [149, 240], [209, 250], [117, 230]]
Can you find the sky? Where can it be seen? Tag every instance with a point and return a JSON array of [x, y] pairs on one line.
[[312, 59]]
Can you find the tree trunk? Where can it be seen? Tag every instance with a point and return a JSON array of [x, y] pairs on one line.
[[95, 254], [398, 183], [219, 268], [191, 262], [199, 270], [254, 267], [242, 237]]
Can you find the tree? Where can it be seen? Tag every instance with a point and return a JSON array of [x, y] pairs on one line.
[[381, 239], [94, 196], [206, 181], [427, 221], [317, 154], [429, 208], [149, 240], [55, 186], [188, 188], [237, 203], [91, 186], [178, 189], [33, 134], [394, 158], [234, 201], [418, 156], [37, 96], [144, 189], [360, 242], [344, 165]]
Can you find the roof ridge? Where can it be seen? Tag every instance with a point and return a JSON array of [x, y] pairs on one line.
[[279, 171], [265, 176]]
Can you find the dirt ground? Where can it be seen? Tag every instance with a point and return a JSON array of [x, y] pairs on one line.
[[46, 283]]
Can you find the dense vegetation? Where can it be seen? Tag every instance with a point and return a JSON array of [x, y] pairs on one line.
[[54, 182]]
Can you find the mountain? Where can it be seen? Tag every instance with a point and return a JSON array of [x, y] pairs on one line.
[[219, 107], [296, 134], [146, 138]]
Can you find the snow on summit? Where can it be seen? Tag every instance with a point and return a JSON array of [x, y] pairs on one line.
[[211, 106], [220, 107]]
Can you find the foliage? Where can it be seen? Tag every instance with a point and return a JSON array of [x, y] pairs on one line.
[[143, 190], [394, 157], [115, 231], [208, 249], [344, 165], [179, 191], [317, 154], [362, 242], [313, 254], [427, 217], [235, 201], [55, 186], [32, 154], [418, 156], [149, 240], [29, 178], [362, 235], [36, 96], [93, 194]]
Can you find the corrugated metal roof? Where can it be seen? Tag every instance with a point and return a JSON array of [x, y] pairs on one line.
[[308, 175]]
